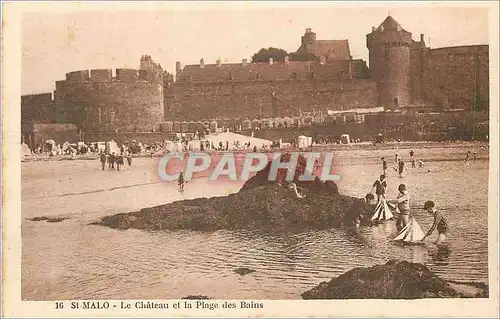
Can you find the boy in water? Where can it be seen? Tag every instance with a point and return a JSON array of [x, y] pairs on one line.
[[403, 202], [401, 167], [439, 223], [380, 187]]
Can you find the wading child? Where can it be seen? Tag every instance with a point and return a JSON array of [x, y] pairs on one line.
[[380, 187], [439, 223], [401, 167], [403, 202]]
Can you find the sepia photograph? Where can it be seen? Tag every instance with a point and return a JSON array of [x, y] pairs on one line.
[[255, 153]]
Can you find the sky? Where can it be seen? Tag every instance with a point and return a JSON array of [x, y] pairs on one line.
[[54, 44]]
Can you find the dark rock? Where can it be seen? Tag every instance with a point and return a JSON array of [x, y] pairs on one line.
[[260, 204], [394, 280], [48, 219], [243, 271]]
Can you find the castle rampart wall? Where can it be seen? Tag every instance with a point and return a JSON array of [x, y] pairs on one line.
[[101, 103], [451, 75], [255, 99]]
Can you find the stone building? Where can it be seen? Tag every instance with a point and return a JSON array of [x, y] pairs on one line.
[[403, 74]]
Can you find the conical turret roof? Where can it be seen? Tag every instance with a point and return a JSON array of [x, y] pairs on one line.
[[390, 24]]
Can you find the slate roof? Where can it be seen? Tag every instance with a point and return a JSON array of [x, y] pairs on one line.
[[278, 71], [334, 49]]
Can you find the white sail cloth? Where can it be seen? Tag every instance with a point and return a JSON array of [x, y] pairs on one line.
[[382, 211], [412, 232]]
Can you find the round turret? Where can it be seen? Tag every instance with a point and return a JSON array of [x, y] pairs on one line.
[[389, 47]]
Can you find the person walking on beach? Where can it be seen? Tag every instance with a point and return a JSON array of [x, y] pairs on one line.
[[467, 157], [401, 167], [412, 159], [119, 161], [403, 202], [180, 182], [384, 165], [129, 160], [380, 186], [111, 161], [439, 223], [103, 160]]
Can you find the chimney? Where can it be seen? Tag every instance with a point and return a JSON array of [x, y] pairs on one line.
[[202, 63], [350, 68], [177, 68], [322, 60], [271, 61], [287, 60], [218, 63], [422, 37], [373, 29], [244, 62]]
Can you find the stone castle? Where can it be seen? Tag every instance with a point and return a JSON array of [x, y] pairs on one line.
[[404, 75]]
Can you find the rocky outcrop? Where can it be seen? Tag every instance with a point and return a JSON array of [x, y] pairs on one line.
[[242, 271], [271, 207], [394, 280], [48, 219]]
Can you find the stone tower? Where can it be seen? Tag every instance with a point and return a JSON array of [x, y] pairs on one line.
[[308, 40], [389, 47]]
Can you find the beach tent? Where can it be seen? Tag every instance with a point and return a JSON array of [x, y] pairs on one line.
[[169, 146], [112, 147], [25, 150], [178, 147], [382, 211], [345, 139], [411, 233], [309, 141]]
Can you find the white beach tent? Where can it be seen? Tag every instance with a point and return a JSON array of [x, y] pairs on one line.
[[382, 211], [169, 146], [302, 141], [25, 150], [345, 139], [411, 233], [112, 147]]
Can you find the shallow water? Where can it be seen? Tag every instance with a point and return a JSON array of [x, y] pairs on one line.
[[74, 260]]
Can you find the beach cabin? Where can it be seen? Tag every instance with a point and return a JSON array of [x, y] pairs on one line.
[[345, 139]]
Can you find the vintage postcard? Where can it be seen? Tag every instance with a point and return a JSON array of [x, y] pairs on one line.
[[250, 159]]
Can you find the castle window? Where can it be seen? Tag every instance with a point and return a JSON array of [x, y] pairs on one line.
[[231, 77], [257, 76], [294, 75], [312, 75]]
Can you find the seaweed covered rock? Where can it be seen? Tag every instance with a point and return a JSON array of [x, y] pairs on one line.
[[393, 280], [271, 207], [260, 204]]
